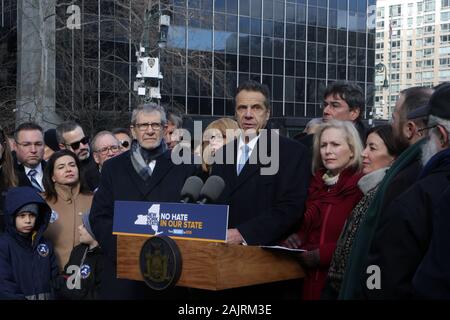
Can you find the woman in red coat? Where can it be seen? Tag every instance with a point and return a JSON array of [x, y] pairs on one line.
[[332, 194]]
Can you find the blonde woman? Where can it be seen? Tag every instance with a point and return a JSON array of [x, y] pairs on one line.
[[217, 134], [332, 195]]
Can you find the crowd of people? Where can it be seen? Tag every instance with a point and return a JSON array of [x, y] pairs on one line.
[[366, 206]]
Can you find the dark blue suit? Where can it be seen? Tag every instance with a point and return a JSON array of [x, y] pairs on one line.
[[266, 208], [120, 181]]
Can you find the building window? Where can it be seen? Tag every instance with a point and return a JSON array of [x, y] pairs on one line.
[[428, 18], [445, 4], [430, 5], [395, 11], [428, 52]]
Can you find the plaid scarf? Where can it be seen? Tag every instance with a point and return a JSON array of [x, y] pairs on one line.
[[140, 158]]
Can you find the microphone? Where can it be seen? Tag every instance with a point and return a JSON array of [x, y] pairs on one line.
[[211, 190], [191, 189]]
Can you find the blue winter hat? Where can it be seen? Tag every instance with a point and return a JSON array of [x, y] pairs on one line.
[[30, 207]]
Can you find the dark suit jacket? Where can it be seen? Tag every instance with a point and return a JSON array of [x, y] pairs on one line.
[[90, 173], [21, 175], [266, 208], [119, 181]]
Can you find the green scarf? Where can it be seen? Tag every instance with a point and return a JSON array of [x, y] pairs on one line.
[[351, 284]]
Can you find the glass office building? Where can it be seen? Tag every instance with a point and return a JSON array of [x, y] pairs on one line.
[[296, 47]]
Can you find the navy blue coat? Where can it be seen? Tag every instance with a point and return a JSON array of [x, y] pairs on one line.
[[401, 241], [119, 181], [266, 208], [26, 266], [432, 278]]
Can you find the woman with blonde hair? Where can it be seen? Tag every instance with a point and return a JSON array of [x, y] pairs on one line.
[[217, 134], [332, 195], [8, 177]]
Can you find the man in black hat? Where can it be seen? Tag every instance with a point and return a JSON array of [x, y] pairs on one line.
[[51, 143], [403, 239]]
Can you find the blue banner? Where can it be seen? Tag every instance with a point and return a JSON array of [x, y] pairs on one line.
[[204, 222]]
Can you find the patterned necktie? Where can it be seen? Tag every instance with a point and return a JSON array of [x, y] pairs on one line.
[[32, 173], [243, 159]]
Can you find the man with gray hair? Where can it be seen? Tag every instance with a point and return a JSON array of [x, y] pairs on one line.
[[144, 173], [105, 146]]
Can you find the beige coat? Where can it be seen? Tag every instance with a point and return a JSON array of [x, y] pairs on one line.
[[63, 232]]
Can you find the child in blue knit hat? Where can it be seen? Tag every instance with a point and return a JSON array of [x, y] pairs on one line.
[[22, 245]]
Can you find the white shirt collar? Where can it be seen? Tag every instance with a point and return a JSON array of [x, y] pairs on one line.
[[251, 144], [38, 169]]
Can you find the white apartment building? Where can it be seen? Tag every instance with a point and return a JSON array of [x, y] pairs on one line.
[[413, 43]]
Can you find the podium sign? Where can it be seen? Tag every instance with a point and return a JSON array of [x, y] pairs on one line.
[[176, 220]]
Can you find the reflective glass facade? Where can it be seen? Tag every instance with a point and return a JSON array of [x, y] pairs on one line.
[[296, 47]]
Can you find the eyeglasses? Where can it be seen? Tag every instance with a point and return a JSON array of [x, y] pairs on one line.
[[427, 128], [124, 143], [104, 151], [144, 126], [76, 145], [29, 144]]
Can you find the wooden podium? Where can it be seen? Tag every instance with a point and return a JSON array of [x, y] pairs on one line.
[[214, 266]]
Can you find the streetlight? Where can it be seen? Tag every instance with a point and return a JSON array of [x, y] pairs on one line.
[[380, 67]]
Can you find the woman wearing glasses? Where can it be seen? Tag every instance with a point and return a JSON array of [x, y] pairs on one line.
[[8, 178], [69, 198]]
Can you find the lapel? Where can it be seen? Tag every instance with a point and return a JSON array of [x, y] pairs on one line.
[[249, 170], [162, 167]]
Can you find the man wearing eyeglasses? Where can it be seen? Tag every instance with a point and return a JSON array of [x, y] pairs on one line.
[[29, 145], [402, 241], [144, 173], [105, 146], [71, 136]]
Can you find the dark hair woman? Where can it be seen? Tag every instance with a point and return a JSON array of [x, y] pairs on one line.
[[69, 198], [378, 156], [8, 177]]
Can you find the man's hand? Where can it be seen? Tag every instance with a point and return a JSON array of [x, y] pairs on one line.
[[234, 236]]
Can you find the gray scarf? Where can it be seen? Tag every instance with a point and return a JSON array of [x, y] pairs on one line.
[[140, 158]]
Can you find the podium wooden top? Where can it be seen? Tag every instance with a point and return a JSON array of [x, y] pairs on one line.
[[214, 266]]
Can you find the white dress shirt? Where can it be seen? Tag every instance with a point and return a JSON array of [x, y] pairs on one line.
[[39, 175], [251, 145]]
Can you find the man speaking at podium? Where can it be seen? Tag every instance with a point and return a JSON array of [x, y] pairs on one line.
[[144, 173], [264, 205]]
